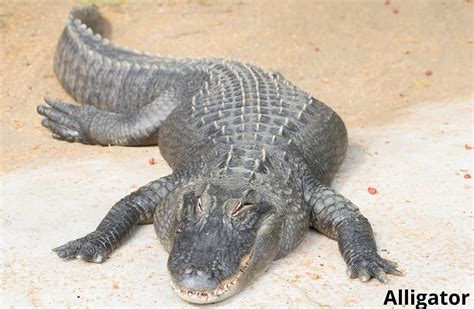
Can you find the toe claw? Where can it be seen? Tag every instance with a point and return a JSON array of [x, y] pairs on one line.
[[364, 275], [46, 123], [391, 263], [84, 248], [40, 109], [395, 272], [100, 257], [57, 136], [372, 266], [61, 132], [51, 102], [62, 254], [350, 273], [364, 278], [63, 120], [390, 267], [381, 276]]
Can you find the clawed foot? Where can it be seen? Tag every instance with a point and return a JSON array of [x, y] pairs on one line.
[[372, 266], [89, 248], [64, 120]]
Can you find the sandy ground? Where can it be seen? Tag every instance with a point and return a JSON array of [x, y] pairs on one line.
[[400, 75]]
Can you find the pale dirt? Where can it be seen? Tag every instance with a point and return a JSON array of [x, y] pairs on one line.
[[365, 59]]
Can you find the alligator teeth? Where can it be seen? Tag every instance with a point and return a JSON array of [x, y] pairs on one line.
[[107, 62], [135, 67], [117, 65], [126, 65], [97, 37]]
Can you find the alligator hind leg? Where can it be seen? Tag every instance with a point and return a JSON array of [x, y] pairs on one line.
[[89, 125], [120, 221], [338, 218]]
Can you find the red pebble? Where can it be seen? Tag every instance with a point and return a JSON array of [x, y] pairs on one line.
[[151, 161], [467, 176], [396, 11], [429, 73], [468, 147], [372, 190], [387, 2]]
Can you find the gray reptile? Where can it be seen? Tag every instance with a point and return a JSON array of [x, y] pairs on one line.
[[252, 158]]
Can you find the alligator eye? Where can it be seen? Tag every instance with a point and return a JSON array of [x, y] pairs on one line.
[[238, 208], [251, 197], [199, 204]]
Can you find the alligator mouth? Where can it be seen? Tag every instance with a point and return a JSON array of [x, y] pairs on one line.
[[224, 290]]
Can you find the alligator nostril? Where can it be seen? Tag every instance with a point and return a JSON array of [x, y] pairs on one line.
[[201, 271], [195, 270]]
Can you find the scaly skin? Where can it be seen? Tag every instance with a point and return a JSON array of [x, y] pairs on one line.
[[252, 157]]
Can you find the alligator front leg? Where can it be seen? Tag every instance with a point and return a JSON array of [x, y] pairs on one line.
[[338, 218], [88, 124], [136, 208]]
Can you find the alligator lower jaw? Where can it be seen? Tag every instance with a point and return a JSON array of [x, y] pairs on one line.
[[225, 289]]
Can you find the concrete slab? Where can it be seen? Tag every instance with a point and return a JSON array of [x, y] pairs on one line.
[[422, 217]]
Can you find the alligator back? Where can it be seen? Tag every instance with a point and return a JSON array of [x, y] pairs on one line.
[[246, 113]]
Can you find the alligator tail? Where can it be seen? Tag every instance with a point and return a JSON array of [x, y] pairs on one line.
[[90, 16], [96, 72]]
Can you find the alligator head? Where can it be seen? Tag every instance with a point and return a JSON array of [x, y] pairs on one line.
[[222, 236]]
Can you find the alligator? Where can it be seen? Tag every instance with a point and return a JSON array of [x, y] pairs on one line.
[[252, 160]]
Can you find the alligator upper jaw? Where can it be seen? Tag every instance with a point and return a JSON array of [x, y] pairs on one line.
[[225, 289]]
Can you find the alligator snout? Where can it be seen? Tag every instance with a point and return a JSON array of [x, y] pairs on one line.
[[196, 278]]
